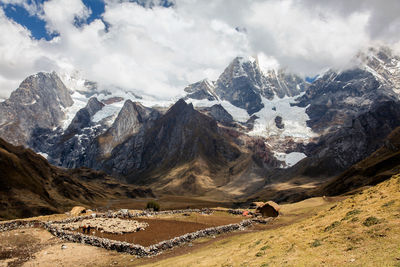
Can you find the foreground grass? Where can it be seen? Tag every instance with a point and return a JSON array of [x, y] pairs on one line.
[[362, 230]]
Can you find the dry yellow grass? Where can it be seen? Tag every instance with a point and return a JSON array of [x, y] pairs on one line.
[[337, 235], [314, 232]]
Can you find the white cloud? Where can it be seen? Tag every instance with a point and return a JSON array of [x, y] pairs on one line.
[[160, 50], [303, 40]]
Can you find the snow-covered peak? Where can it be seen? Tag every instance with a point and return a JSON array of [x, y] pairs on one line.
[[75, 82], [383, 64]]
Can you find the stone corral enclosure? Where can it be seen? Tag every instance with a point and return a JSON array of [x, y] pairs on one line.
[[68, 230]]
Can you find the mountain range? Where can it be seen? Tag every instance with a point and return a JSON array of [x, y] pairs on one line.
[[251, 134]]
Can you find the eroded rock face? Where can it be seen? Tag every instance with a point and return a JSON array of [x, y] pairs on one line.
[[132, 117], [37, 103]]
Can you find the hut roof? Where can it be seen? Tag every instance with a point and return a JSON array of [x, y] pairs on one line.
[[270, 203], [77, 210], [257, 204], [274, 205]]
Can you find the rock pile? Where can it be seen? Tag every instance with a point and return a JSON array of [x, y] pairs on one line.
[[108, 225]]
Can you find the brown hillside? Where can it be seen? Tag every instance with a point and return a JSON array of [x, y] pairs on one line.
[[380, 166], [30, 186]]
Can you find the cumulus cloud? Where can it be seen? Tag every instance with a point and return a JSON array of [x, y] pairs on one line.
[[160, 50]]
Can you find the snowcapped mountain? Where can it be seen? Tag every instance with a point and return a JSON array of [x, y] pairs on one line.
[[263, 101], [257, 126], [244, 85], [39, 101]]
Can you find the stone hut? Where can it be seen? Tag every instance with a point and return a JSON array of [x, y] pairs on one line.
[[269, 209]]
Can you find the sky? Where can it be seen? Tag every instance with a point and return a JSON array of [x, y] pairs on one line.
[[158, 47]]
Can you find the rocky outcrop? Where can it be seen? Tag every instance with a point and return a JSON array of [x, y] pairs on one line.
[[132, 117], [70, 148], [83, 117], [37, 103], [201, 90], [220, 114]]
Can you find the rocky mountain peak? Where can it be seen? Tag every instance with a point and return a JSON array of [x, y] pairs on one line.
[[38, 102], [132, 117], [384, 64], [42, 87], [83, 118], [93, 106], [204, 89], [180, 107]]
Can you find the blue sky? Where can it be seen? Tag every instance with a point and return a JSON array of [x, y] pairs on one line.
[[37, 26]]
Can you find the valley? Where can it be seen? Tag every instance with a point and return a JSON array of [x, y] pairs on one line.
[[325, 150]]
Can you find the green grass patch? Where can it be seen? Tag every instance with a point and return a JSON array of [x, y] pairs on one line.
[[316, 243], [333, 225], [371, 221], [265, 247], [388, 204], [355, 219], [351, 214]]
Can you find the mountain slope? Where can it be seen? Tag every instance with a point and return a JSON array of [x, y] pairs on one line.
[[379, 166], [30, 186], [181, 136]]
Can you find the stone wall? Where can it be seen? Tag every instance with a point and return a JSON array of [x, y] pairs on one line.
[[139, 250], [8, 226]]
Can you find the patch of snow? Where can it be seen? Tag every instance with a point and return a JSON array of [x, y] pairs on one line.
[[80, 101], [31, 103], [290, 159], [45, 155], [373, 72], [108, 111], [293, 117], [238, 114], [151, 103], [73, 81]]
